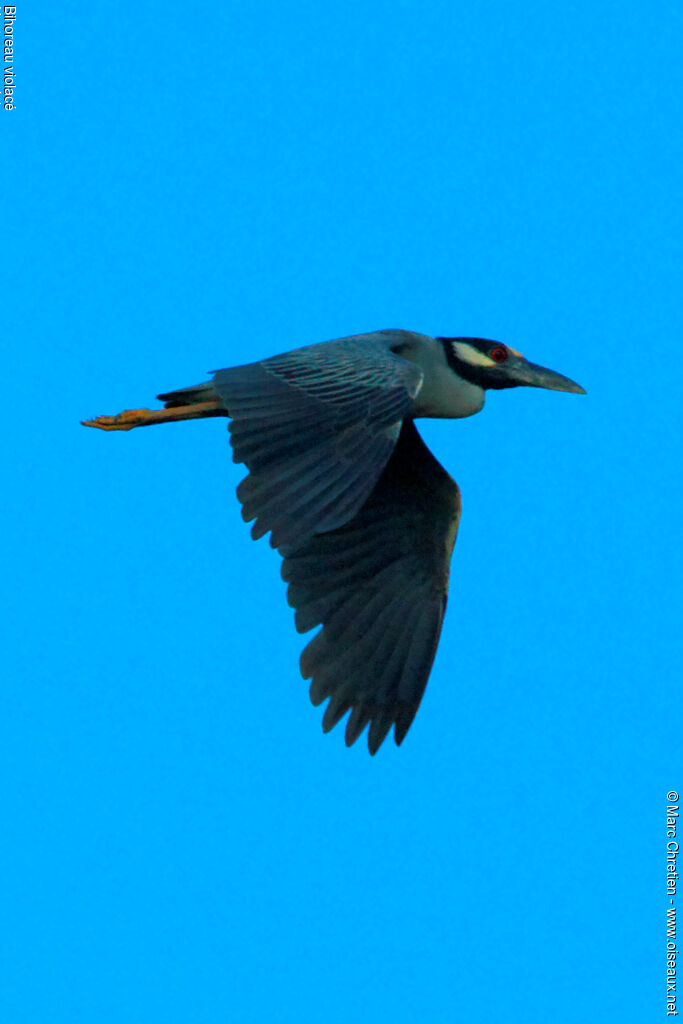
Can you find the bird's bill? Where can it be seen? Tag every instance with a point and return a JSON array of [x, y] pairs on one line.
[[539, 377]]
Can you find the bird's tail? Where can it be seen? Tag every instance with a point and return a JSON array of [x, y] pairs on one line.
[[189, 396]]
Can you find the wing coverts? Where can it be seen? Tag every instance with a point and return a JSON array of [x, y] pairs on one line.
[[315, 427]]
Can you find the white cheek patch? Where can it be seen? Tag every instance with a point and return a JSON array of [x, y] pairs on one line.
[[471, 355]]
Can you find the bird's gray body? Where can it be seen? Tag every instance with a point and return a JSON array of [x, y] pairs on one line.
[[362, 513]]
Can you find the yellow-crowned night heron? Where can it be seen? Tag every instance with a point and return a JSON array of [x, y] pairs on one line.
[[363, 515]]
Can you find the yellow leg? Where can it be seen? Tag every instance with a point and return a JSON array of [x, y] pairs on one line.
[[130, 418]]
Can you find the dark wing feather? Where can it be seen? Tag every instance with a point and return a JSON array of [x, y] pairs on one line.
[[378, 584], [315, 427]]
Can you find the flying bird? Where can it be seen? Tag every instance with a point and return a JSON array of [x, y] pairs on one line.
[[364, 516]]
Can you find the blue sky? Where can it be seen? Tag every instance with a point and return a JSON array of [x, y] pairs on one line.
[[193, 186]]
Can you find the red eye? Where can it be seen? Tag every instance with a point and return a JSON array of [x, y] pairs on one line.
[[499, 353]]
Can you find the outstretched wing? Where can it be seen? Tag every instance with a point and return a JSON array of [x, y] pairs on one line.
[[378, 584], [315, 427]]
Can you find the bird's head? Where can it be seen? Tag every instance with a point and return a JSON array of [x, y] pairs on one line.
[[490, 364]]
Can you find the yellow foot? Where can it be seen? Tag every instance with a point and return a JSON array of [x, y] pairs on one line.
[[130, 418], [124, 421]]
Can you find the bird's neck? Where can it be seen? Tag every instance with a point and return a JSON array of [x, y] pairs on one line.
[[444, 394]]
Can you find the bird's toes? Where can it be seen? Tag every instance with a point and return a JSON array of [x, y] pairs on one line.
[[125, 420]]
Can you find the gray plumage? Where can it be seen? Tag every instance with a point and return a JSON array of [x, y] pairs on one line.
[[362, 513]]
